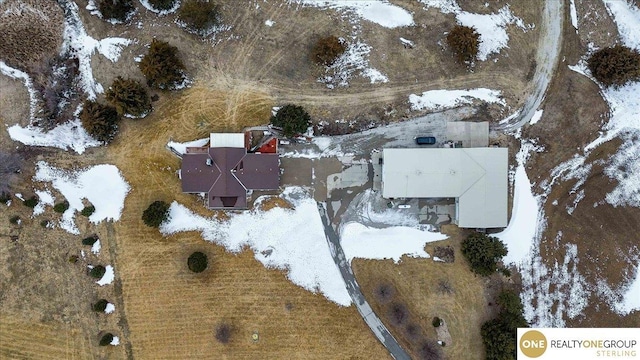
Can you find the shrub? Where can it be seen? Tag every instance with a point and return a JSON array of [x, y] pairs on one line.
[[162, 4], [56, 80], [430, 350], [398, 314], [155, 214], [15, 219], [100, 306], [327, 50], [129, 97], [413, 331], [61, 207], [436, 322], [5, 196], [384, 293], [293, 119], [88, 210], [615, 65], [97, 272], [45, 223], [73, 259], [464, 41], [31, 202], [106, 339], [199, 16], [162, 67], [197, 262], [116, 9], [100, 121], [31, 31], [499, 334], [89, 241], [483, 253], [223, 333]]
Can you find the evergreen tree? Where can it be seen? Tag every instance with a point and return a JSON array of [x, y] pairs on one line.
[[199, 16], [116, 9], [155, 214], [464, 41], [129, 97], [483, 252], [162, 4], [100, 121], [100, 306], [499, 334], [293, 119], [162, 67], [327, 50], [615, 65], [106, 339]]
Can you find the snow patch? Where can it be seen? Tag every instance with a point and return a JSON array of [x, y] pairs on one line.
[[181, 148], [44, 198], [574, 14], [102, 185], [116, 340], [70, 135], [443, 99], [536, 117], [269, 23], [150, 7], [95, 248], [110, 308], [359, 241], [108, 276], [355, 60], [380, 12], [21, 75]]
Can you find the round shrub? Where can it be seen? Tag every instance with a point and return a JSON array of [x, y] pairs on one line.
[[31, 202], [15, 219], [430, 350], [100, 306], [97, 272], [162, 67], [327, 50], [197, 262], [61, 207], [384, 293], [129, 97], [199, 16], [100, 121], [464, 41], [156, 213], [398, 314], [89, 241], [45, 223], [436, 322], [223, 333], [162, 4], [293, 119], [483, 253], [88, 210], [106, 339], [118, 10], [615, 65]]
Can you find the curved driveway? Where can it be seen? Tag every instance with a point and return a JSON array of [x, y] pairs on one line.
[[372, 320], [547, 56]]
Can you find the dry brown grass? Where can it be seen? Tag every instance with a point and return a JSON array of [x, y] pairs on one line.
[[31, 30], [416, 283], [274, 202], [33, 340], [172, 313]]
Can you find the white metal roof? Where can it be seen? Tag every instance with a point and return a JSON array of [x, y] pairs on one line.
[[232, 140], [477, 177]]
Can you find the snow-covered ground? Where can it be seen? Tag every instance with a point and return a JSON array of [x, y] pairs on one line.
[[444, 99], [354, 61], [536, 117], [44, 198], [110, 308], [102, 185], [70, 135], [181, 148], [380, 12], [276, 238], [491, 27], [95, 248]]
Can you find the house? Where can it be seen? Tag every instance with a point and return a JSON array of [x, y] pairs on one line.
[[475, 177], [226, 172]]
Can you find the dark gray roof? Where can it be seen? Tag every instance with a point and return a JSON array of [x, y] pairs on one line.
[[232, 172]]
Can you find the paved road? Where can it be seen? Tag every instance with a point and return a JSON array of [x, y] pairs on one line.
[[374, 323], [547, 56]]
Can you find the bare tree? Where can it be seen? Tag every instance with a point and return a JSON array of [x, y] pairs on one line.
[[10, 164]]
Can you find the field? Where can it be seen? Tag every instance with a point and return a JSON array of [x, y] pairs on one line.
[[163, 311]]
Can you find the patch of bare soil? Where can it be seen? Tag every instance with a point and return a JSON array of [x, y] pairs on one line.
[[605, 236]]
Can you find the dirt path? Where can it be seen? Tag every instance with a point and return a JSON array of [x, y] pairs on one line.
[[547, 55]]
